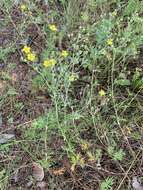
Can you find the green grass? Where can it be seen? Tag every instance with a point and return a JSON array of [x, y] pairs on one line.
[[85, 109]]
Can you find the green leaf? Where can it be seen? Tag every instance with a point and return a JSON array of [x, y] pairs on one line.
[[2, 173], [40, 123], [136, 75], [122, 82], [110, 150], [12, 91], [131, 8], [107, 184], [119, 155], [85, 16], [103, 31]]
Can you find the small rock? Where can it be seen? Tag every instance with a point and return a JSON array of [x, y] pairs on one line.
[[136, 185], [41, 185], [29, 184], [15, 176], [38, 172], [4, 138]]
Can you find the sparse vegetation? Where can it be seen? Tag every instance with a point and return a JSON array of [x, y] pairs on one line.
[[71, 90]]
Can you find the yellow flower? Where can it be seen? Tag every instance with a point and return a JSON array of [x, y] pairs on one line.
[[73, 167], [128, 130], [29, 13], [26, 49], [114, 13], [64, 53], [102, 93], [53, 27], [23, 7], [49, 62], [85, 146], [109, 56], [110, 41], [82, 162], [31, 57], [90, 157], [73, 77]]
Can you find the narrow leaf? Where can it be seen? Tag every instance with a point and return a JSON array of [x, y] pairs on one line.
[[122, 82]]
